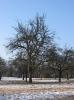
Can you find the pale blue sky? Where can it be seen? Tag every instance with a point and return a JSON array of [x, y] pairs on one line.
[[59, 18]]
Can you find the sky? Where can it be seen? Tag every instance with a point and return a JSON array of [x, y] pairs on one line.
[[59, 18]]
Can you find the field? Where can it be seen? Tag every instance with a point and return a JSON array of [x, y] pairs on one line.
[[41, 89]]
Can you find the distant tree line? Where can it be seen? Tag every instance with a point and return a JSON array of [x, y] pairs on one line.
[[36, 53]]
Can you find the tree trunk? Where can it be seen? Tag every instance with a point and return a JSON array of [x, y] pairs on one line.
[[67, 76], [30, 77], [30, 70], [0, 78], [23, 76], [55, 74], [60, 75], [26, 77]]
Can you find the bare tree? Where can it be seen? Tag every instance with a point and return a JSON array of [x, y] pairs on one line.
[[31, 40], [21, 64], [60, 60], [2, 67]]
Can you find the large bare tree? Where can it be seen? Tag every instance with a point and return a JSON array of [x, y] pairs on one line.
[[31, 39]]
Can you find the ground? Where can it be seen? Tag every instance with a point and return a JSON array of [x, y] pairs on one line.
[[41, 89]]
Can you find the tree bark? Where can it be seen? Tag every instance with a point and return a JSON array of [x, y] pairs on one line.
[[55, 74], [23, 76], [60, 75], [26, 77], [0, 76], [67, 76], [30, 69], [30, 77]]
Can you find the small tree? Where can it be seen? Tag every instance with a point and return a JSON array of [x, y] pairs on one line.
[[21, 65], [2, 67], [69, 53], [60, 60]]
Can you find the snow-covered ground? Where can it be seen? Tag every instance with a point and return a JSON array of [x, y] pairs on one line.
[[34, 79], [37, 92], [64, 91], [11, 78], [38, 96]]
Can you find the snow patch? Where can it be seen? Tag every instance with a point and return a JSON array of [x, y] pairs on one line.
[[35, 96]]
